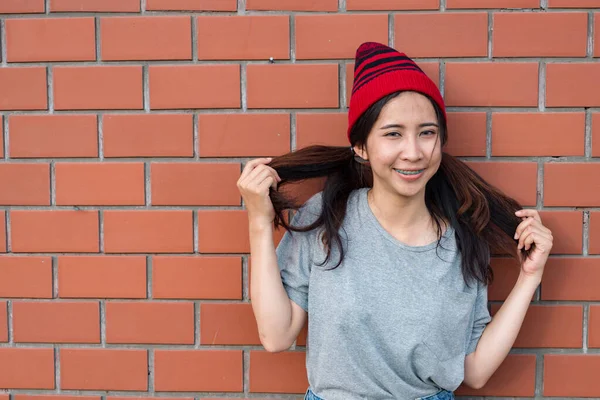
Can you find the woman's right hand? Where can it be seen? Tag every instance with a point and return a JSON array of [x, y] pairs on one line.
[[253, 184]]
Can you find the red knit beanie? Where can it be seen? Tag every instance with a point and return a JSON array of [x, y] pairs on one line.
[[380, 70]]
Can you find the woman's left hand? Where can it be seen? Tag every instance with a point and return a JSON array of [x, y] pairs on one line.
[[531, 231]]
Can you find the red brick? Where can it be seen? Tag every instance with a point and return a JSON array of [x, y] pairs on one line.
[[594, 233], [98, 87], [198, 371], [3, 232], [148, 231], [3, 322], [223, 231], [95, 5], [24, 368], [22, 6], [573, 3], [158, 323], [146, 38], [50, 39], [539, 327], [447, 35], [492, 84], [53, 136], [196, 277], [567, 230], [594, 327], [24, 184], [540, 35], [506, 272], [283, 372], [233, 324], [337, 36], [522, 185], [243, 37], [51, 322], [293, 86], [538, 134], [292, 5], [321, 128], [492, 4], [384, 5], [571, 375], [514, 378], [431, 69], [55, 231], [54, 397], [26, 277], [243, 135], [195, 86], [23, 88], [100, 184], [597, 34], [568, 85], [148, 135], [102, 277], [466, 134], [103, 369], [571, 279], [191, 5], [568, 184], [200, 184]]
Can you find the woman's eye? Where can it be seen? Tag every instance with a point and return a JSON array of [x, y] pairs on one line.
[[429, 133], [392, 134]]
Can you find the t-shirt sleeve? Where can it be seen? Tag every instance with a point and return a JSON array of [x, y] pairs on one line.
[[294, 255], [482, 316]]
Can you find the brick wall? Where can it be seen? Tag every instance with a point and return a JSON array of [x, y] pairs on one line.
[[125, 127]]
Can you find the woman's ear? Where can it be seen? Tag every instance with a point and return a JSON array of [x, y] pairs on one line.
[[360, 154]]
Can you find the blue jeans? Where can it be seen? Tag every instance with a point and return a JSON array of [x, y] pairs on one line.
[[441, 395]]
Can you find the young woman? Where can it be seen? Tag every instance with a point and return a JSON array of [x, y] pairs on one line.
[[390, 262]]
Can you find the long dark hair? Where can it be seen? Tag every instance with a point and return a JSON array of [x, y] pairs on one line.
[[482, 216]]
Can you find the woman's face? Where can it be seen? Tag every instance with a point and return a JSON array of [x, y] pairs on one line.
[[404, 145]]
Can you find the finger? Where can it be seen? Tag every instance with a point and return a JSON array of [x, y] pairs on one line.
[[529, 213], [522, 226], [251, 165], [534, 235], [269, 181], [256, 180]]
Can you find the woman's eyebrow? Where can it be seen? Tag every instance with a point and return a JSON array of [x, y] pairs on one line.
[[402, 126]]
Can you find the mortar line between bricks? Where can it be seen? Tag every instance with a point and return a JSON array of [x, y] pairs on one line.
[[54, 267], [246, 368], [195, 238], [539, 375], [146, 87], [590, 35], [586, 319], [52, 172], [342, 6], [196, 137], [542, 85], [142, 6], [100, 128], [244, 87], [196, 324], [588, 134], [47, 7], [391, 36], [245, 278], [98, 35], [194, 38], [147, 184], [586, 233], [57, 376], [341, 85], [8, 230], [151, 369], [488, 135], [5, 136], [293, 131], [443, 79], [10, 327], [442, 5], [490, 34], [3, 40], [101, 231], [102, 312], [292, 19], [540, 186], [149, 269], [50, 90], [241, 7], [544, 4]]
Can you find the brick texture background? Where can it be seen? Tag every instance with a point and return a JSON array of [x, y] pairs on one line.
[[124, 271]]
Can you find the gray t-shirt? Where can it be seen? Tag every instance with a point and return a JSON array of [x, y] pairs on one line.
[[392, 321]]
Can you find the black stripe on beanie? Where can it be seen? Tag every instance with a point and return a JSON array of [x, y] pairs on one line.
[[364, 79], [400, 61], [364, 56]]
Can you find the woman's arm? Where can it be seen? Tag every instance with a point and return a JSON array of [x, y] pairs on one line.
[[501, 333]]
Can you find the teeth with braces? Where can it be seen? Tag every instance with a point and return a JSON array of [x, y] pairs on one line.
[[409, 172]]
